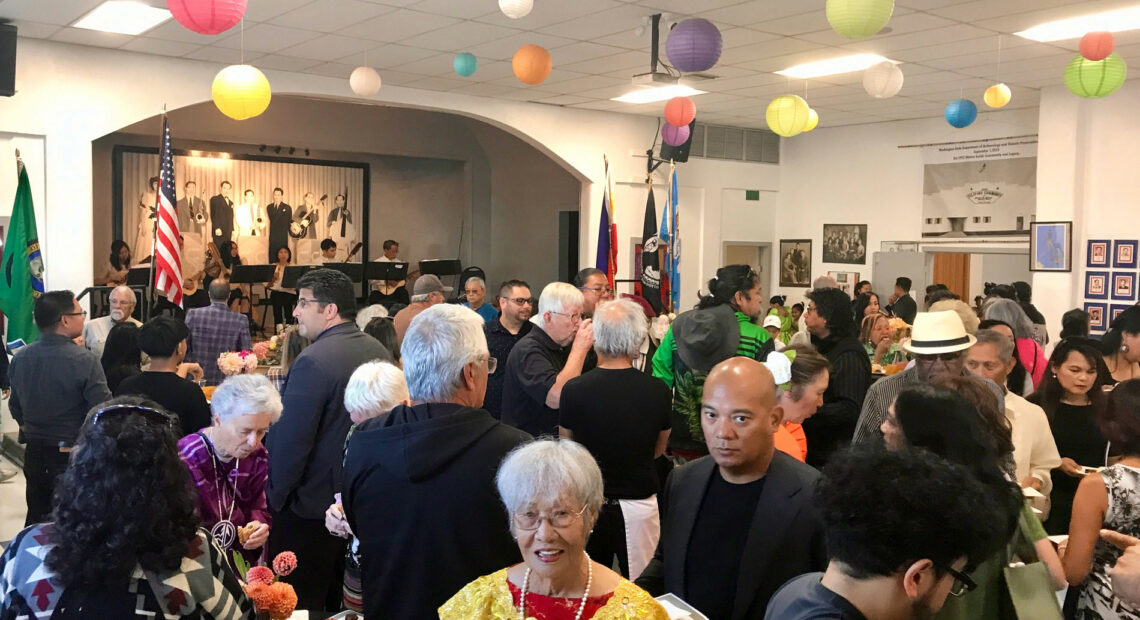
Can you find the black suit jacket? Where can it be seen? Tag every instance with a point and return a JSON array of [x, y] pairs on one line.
[[222, 217], [785, 539], [905, 308], [307, 443]]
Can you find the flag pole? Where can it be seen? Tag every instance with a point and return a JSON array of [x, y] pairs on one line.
[[152, 293]]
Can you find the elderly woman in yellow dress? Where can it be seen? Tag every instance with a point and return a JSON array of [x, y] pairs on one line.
[[552, 490]]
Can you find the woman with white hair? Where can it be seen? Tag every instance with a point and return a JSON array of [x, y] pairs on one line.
[[621, 415], [1030, 354], [552, 491], [230, 467]]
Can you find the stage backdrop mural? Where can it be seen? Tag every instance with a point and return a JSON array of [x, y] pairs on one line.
[[980, 188], [318, 200]]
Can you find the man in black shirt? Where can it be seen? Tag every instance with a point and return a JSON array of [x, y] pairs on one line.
[[889, 560], [737, 524], [901, 304], [502, 335], [164, 338]]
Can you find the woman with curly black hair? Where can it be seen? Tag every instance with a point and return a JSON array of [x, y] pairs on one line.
[[124, 541]]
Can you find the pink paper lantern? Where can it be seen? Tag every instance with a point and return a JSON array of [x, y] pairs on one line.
[[674, 135], [207, 16], [680, 111], [1097, 45]]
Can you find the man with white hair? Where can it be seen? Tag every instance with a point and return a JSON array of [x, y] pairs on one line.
[[545, 359], [475, 290], [419, 481], [95, 331]]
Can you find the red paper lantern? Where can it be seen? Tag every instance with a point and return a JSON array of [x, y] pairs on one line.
[[680, 111], [207, 16], [1097, 45]]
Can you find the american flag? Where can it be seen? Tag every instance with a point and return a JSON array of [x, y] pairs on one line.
[[167, 249]]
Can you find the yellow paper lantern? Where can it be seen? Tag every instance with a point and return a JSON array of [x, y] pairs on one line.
[[241, 92], [997, 96], [858, 19], [788, 115], [531, 64], [813, 120]]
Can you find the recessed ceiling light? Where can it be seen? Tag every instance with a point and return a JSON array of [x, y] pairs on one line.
[[123, 17], [833, 66], [1076, 27], [659, 93]]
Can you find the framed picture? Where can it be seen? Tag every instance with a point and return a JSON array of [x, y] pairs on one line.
[[1051, 246], [1098, 313], [846, 280], [1096, 284], [1124, 254], [795, 262], [845, 243], [1116, 310], [1124, 285], [1097, 255]]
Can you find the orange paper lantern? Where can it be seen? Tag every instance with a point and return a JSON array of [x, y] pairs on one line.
[[531, 64], [680, 111], [1097, 45]]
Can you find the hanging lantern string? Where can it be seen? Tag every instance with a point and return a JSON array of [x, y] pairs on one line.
[[999, 58], [243, 40]]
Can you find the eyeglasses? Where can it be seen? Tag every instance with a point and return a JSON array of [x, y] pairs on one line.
[[962, 581], [492, 364], [602, 289], [522, 301], [302, 302], [574, 318], [152, 415], [80, 313], [946, 357], [530, 519]]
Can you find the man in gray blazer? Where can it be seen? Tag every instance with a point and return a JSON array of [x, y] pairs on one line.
[[737, 524]]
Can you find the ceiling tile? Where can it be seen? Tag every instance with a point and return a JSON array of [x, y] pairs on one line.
[[317, 16], [33, 30], [505, 48], [263, 10], [565, 100], [286, 63], [398, 25], [482, 90], [268, 38], [764, 49], [625, 63], [387, 56], [335, 69], [796, 24], [223, 55], [685, 7], [590, 26], [435, 64], [547, 13], [161, 47], [330, 47], [885, 45], [439, 83], [460, 37], [462, 9], [174, 31], [582, 50], [747, 13], [93, 38], [47, 11]]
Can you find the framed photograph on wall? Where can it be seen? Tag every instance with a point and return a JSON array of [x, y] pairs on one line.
[[1124, 286], [1124, 254], [1096, 284], [1097, 317], [795, 262], [1097, 254], [846, 280], [1116, 310], [845, 243], [1051, 246]]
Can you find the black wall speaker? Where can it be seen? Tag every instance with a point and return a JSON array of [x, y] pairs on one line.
[[679, 153], [7, 60]]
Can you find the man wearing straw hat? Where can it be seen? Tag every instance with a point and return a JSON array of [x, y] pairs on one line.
[[938, 343]]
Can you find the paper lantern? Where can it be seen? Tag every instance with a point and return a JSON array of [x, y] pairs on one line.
[[531, 64], [674, 135], [857, 19], [694, 45], [516, 9], [997, 96], [241, 92], [813, 120], [1097, 45], [1095, 78], [207, 16], [788, 115], [961, 112], [465, 64], [680, 111], [364, 81], [883, 80]]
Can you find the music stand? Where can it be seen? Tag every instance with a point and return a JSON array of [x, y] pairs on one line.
[[384, 270], [252, 274], [294, 273], [354, 271], [138, 276], [441, 266]]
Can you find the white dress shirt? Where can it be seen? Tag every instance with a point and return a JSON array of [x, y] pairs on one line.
[[1034, 451]]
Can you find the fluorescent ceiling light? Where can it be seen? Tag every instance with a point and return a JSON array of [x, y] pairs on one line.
[[833, 66], [660, 93], [1076, 27], [123, 17]]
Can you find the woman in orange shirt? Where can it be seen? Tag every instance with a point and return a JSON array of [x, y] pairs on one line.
[[801, 378]]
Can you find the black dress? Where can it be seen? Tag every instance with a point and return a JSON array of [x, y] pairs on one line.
[[1078, 438]]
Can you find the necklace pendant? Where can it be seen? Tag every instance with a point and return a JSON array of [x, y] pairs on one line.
[[224, 533]]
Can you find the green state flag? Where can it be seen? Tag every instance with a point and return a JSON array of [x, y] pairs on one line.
[[22, 268]]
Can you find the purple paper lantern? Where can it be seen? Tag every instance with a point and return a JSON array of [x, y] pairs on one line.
[[674, 135], [694, 45]]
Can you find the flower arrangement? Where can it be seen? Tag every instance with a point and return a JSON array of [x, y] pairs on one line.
[[237, 362], [268, 352], [899, 329], [659, 325], [263, 586]]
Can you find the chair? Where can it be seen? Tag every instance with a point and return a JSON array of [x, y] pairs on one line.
[[464, 276]]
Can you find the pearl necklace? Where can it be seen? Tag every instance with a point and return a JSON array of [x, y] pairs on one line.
[[585, 595]]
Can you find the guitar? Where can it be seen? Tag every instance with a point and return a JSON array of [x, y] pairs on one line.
[[300, 228]]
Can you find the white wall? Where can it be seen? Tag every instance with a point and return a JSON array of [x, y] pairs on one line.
[[999, 269]]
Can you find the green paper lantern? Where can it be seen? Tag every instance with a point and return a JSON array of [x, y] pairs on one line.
[[788, 115], [1093, 79], [858, 19]]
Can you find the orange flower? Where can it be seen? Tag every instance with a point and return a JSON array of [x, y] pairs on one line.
[[284, 563], [281, 602], [259, 594]]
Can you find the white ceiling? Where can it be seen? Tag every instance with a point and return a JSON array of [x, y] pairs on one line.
[[949, 48]]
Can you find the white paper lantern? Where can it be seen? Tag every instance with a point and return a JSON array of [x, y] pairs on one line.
[[516, 9], [364, 81], [883, 80]]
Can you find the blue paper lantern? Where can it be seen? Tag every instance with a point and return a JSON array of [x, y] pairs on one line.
[[961, 112], [465, 64], [694, 45]]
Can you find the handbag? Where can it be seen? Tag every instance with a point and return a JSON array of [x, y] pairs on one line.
[[1028, 582]]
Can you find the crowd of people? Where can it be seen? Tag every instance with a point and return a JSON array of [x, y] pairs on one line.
[[558, 458]]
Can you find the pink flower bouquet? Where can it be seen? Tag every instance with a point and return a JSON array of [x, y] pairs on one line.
[[237, 362]]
